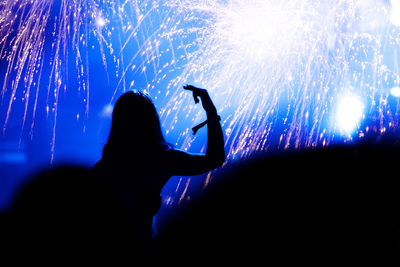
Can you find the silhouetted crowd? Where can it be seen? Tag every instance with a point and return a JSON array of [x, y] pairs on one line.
[[320, 207]]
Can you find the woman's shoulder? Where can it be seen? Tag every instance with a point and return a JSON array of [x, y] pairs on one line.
[[104, 166], [98, 165]]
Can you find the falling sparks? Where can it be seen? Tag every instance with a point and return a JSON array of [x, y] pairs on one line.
[[277, 70]]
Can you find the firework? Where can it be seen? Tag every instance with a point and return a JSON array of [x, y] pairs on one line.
[[282, 73]]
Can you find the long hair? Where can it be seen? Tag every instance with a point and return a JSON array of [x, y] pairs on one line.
[[135, 129]]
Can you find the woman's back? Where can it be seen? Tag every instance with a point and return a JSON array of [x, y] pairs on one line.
[[137, 162], [137, 185]]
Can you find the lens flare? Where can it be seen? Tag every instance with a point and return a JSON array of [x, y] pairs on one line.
[[349, 113], [395, 91]]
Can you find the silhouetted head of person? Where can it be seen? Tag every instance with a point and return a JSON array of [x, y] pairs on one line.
[[136, 129]]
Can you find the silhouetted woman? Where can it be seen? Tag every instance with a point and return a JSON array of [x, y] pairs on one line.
[[137, 161]]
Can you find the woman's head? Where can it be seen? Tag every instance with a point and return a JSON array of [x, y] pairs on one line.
[[135, 126]]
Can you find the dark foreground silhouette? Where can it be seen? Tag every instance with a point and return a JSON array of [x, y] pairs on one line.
[[66, 215], [137, 161], [331, 207]]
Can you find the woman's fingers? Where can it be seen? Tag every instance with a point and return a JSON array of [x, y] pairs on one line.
[[203, 95], [195, 91], [193, 88], [189, 87]]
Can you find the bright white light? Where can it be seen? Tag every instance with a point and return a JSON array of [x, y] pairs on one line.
[[256, 29], [100, 21], [395, 91], [349, 113], [395, 12], [250, 28]]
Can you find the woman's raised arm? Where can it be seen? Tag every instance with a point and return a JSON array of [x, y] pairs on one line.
[[183, 163]]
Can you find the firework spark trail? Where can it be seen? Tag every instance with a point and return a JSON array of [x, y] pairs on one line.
[[275, 69], [256, 54], [58, 36], [24, 37]]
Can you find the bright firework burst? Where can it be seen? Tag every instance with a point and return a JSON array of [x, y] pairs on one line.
[[278, 70]]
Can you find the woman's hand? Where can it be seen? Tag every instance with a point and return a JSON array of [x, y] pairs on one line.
[[203, 95]]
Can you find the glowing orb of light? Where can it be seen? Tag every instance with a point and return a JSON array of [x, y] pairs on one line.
[[395, 12], [395, 91], [100, 21], [349, 113]]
